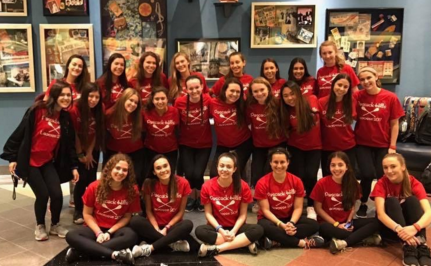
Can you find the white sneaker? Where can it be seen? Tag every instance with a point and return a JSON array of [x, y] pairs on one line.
[[141, 250], [180, 245], [40, 233], [58, 230], [252, 248], [311, 213]]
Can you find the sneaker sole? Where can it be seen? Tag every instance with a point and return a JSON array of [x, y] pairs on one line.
[[56, 234], [42, 239]]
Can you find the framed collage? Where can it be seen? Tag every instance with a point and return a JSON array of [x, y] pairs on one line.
[[210, 57], [283, 25], [13, 8], [60, 41], [16, 58], [369, 37], [65, 7]]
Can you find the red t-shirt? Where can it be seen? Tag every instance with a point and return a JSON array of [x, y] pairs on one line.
[[146, 86], [280, 196], [325, 76], [244, 79], [308, 87], [116, 92], [330, 194], [276, 87], [228, 134], [183, 84], [76, 121], [46, 134], [195, 128], [336, 134], [113, 208], [310, 140], [225, 204], [375, 113], [164, 210], [161, 130], [75, 94], [120, 140], [386, 189], [256, 115]]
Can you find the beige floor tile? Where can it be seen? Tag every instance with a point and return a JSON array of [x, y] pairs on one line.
[[17, 232], [7, 249], [7, 225], [47, 249], [24, 258]]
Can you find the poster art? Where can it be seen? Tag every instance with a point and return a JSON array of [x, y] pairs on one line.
[[13, 8], [65, 7]]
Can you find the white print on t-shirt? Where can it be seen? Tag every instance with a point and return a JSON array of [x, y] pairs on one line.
[[91, 126], [53, 131], [195, 115], [160, 130], [145, 92], [165, 206], [306, 89], [116, 91], [337, 122], [371, 110], [118, 207], [282, 202], [336, 202], [124, 133], [276, 93], [111, 213], [327, 80], [228, 116], [261, 118]]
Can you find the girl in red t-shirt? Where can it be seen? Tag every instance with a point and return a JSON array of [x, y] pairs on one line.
[[403, 208], [301, 125], [270, 71], [195, 137], [228, 111], [281, 195], [180, 70], [108, 206], [298, 72], [89, 123], [226, 198], [124, 126], [113, 81], [376, 130], [237, 64], [334, 200], [333, 64], [165, 202], [75, 74], [337, 112], [149, 75]]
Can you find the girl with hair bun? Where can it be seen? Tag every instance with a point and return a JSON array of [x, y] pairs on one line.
[[298, 72]]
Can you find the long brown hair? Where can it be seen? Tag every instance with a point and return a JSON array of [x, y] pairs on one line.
[[104, 190], [271, 108], [152, 179], [236, 175], [150, 105], [107, 75], [53, 96], [339, 62], [303, 110], [347, 100], [230, 73], [240, 103], [156, 79], [84, 77], [175, 86], [406, 187], [119, 114]]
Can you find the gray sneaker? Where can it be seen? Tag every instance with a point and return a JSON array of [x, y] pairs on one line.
[[40, 233], [252, 248], [180, 245], [143, 249], [373, 240], [58, 230]]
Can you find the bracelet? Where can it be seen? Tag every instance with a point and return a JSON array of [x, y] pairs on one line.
[[99, 233], [292, 222], [218, 227], [81, 155], [393, 147], [336, 224], [107, 232], [278, 223], [168, 226], [395, 228], [418, 228]]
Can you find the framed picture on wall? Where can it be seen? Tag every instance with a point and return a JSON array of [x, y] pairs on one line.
[[13, 8], [16, 58], [65, 7], [133, 27], [283, 25], [60, 41], [368, 37], [210, 57]]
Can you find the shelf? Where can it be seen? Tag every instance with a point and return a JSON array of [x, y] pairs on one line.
[[227, 7]]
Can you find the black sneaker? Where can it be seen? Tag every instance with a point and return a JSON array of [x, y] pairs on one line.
[[72, 255], [362, 211], [410, 257], [125, 256], [199, 206], [208, 250], [424, 256], [78, 218], [190, 205]]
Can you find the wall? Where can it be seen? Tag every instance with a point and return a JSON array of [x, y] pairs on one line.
[[201, 18]]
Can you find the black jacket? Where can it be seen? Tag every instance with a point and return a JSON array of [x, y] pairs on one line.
[[18, 147]]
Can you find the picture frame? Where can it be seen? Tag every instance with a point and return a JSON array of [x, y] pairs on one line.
[[369, 37], [60, 41], [209, 56], [65, 7], [133, 27], [13, 8], [283, 25], [16, 58]]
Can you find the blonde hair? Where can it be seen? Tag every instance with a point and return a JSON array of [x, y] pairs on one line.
[[339, 62], [175, 86], [406, 188]]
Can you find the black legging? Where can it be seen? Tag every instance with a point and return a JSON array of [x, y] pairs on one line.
[[45, 183], [172, 157], [260, 163], [305, 165], [147, 232], [243, 151], [351, 153], [362, 228], [194, 162], [304, 228], [83, 240], [404, 214], [86, 177], [137, 159], [370, 167], [208, 235]]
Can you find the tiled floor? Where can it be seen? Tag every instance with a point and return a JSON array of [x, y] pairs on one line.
[[18, 247]]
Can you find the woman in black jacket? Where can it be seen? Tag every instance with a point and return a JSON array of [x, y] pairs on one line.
[[40, 150]]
